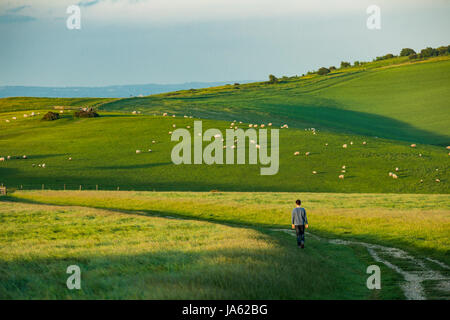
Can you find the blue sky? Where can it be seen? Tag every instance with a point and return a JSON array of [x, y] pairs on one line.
[[174, 41]]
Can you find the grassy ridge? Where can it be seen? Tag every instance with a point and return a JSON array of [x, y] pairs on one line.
[[385, 99], [103, 152], [133, 256]]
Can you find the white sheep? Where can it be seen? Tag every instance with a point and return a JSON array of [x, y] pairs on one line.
[[341, 176], [390, 174], [413, 145], [344, 145], [270, 124], [2, 158], [138, 151], [314, 172], [364, 143], [437, 180], [394, 176], [397, 169], [296, 153], [307, 153]]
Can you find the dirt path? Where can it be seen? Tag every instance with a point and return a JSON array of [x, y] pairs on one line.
[[417, 270]]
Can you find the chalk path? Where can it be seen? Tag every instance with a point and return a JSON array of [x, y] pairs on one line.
[[412, 287]]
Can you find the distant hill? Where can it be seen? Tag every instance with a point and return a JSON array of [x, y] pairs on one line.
[[124, 91]]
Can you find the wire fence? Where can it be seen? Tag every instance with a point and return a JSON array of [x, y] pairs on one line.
[[76, 187]]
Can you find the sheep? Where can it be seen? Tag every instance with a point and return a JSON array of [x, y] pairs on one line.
[[8, 157], [437, 180], [341, 176], [343, 167], [421, 180], [170, 132], [420, 154], [364, 143], [413, 145], [174, 125], [262, 126], [307, 153], [14, 118], [165, 114], [448, 147], [153, 141], [70, 159], [326, 144], [43, 165], [232, 124], [257, 146], [188, 127], [351, 142], [25, 115], [185, 116], [390, 174], [149, 150], [344, 145], [252, 141], [250, 125], [134, 112], [138, 151], [394, 176], [7, 120], [217, 135], [397, 169], [296, 153], [2, 158], [343, 171], [24, 157], [270, 124], [314, 172]]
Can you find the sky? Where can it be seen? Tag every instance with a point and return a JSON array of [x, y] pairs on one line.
[[175, 41]]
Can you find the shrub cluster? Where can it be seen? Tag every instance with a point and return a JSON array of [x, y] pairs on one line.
[[50, 116], [86, 113]]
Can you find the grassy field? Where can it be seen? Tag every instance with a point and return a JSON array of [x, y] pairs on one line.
[[418, 223], [103, 152], [126, 255]]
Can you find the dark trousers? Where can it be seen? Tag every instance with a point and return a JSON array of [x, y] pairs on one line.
[[300, 230]]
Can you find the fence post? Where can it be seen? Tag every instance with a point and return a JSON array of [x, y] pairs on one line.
[[42, 186], [80, 187], [96, 187], [118, 188]]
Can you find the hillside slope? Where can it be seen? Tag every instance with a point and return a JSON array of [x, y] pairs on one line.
[[406, 101]]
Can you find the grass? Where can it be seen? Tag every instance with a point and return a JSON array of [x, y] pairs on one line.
[[416, 223], [103, 154], [134, 256]]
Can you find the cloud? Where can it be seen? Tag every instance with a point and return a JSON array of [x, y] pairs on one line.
[[17, 9], [88, 3], [15, 18]]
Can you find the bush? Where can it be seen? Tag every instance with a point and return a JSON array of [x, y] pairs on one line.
[[444, 50], [412, 56], [407, 52], [50, 116], [345, 64], [332, 68], [356, 63], [272, 79], [86, 113], [323, 71]]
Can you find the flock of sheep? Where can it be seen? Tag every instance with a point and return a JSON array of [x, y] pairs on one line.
[[233, 125]]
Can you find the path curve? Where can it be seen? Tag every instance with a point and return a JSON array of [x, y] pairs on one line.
[[412, 287]]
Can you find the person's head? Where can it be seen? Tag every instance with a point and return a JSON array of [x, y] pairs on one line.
[[298, 202]]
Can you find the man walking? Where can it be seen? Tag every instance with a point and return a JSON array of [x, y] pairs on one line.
[[299, 223]]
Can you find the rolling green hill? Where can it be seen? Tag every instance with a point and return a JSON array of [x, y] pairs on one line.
[[404, 101]]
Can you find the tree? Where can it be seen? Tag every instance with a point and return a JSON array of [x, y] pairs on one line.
[[406, 52], [443, 50], [428, 52], [272, 79], [356, 63], [332, 68], [412, 56], [345, 64], [323, 71]]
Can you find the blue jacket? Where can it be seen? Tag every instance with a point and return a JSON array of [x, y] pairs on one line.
[[299, 216]]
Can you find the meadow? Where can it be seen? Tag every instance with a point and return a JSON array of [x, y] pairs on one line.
[[126, 255], [103, 153]]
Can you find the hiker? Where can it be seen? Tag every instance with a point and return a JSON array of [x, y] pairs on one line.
[[299, 223]]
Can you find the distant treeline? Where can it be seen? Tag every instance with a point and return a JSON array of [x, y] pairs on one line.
[[405, 52]]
